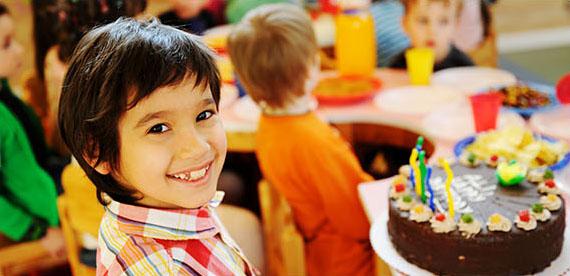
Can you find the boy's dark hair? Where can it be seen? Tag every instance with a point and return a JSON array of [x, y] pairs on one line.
[[111, 70], [3, 9]]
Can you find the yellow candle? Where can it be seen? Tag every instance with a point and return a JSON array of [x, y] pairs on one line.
[[417, 175], [448, 180]]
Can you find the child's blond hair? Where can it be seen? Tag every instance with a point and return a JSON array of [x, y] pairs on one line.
[[272, 49]]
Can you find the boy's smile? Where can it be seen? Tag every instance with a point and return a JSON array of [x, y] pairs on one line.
[[172, 147]]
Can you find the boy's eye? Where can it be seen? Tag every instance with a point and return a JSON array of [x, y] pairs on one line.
[[444, 21], [205, 115], [159, 128], [423, 20]]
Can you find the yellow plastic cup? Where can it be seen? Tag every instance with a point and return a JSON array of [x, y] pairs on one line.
[[420, 65]]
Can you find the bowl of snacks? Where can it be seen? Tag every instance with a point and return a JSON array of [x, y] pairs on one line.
[[342, 90], [515, 143], [528, 97]]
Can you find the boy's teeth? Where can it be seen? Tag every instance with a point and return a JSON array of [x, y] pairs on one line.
[[193, 175]]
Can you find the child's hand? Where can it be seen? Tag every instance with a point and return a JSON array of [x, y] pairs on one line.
[[54, 243]]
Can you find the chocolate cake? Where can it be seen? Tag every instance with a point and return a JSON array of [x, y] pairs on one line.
[[479, 200]]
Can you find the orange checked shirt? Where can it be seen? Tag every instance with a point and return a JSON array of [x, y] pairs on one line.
[[317, 172]]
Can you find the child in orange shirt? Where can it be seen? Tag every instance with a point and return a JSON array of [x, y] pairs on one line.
[[274, 52]]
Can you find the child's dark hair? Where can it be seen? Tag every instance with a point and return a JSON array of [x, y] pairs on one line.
[[112, 68]]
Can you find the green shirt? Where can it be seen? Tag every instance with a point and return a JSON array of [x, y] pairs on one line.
[[26, 190], [236, 9]]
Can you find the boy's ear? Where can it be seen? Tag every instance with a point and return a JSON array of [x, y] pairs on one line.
[[102, 168]]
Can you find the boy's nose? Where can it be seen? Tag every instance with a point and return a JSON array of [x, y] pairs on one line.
[[193, 146]]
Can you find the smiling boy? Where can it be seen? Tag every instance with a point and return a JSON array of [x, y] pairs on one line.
[[139, 111]]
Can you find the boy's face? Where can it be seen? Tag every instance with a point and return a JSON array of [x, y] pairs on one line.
[[10, 50], [431, 24], [173, 147]]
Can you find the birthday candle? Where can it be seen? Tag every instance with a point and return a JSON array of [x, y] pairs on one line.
[[420, 143], [412, 178], [448, 180], [423, 175], [417, 175], [430, 190]]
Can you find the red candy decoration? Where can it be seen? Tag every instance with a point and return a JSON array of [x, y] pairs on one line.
[[400, 188], [524, 216], [494, 158], [563, 89], [440, 217], [550, 183]]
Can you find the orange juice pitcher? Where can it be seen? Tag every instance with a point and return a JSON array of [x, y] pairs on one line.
[[355, 42]]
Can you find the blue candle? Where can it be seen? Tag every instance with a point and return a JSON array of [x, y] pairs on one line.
[[412, 178], [430, 190]]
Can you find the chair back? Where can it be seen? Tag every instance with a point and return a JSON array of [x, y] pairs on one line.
[[284, 245]]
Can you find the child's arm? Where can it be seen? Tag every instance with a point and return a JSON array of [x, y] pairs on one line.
[[335, 172], [30, 189]]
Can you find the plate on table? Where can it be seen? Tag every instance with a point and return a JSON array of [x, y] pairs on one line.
[[554, 123], [527, 98], [516, 143], [455, 121], [471, 80], [382, 245], [416, 100], [341, 90]]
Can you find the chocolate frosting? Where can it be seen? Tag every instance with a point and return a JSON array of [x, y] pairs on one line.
[[477, 191]]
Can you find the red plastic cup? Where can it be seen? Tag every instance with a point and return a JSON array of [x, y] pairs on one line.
[[563, 89], [485, 109]]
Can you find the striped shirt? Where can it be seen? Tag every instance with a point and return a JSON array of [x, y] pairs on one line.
[[136, 240], [390, 37]]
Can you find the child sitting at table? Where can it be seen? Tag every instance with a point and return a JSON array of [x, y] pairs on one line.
[[275, 55], [431, 23], [139, 112]]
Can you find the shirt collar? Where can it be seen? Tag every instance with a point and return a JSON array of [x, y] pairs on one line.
[[167, 224]]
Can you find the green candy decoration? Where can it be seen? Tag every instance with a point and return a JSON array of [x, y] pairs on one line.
[[467, 218], [471, 158], [510, 174], [537, 208], [407, 199], [548, 174]]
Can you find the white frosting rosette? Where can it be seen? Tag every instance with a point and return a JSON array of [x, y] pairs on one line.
[[442, 226], [542, 216], [405, 171], [470, 229], [551, 202], [535, 176], [395, 193], [403, 205], [420, 213], [466, 158], [497, 222], [545, 189], [529, 224]]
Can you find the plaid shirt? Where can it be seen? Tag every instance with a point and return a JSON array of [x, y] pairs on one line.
[[136, 240]]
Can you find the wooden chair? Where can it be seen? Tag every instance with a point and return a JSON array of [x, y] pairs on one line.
[[72, 242], [27, 258], [284, 245]]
